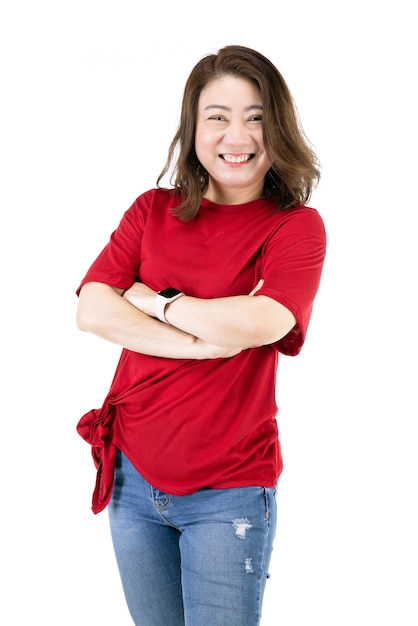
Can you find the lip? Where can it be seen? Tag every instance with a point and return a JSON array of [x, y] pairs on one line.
[[236, 160]]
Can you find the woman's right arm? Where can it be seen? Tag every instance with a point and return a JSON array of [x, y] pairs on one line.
[[103, 312]]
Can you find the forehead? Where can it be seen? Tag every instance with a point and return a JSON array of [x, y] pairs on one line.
[[230, 90]]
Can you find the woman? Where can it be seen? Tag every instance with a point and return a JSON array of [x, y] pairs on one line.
[[203, 285]]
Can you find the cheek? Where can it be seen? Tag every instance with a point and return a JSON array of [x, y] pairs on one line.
[[203, 146], [202, 139], [266, 157]]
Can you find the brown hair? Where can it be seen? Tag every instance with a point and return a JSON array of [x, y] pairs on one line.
[[295, 169]]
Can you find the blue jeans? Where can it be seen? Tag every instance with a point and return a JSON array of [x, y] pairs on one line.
[[197, 560]]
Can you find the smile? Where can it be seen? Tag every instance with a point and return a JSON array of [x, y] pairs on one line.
[[240, 158]]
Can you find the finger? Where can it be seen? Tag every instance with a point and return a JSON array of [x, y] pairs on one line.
[[257, 287]]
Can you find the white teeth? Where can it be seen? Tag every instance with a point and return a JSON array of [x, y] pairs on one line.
[[236, 159]]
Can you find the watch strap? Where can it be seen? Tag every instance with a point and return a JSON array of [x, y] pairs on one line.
[[163, 300]]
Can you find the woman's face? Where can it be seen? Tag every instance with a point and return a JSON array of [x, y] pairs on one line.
[[229, 140]]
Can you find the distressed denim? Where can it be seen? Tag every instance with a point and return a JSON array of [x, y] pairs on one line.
[[196, 560]]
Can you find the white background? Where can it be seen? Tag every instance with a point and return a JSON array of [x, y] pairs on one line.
[[90, 95]]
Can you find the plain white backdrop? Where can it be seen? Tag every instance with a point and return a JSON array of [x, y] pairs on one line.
[[90, 96]]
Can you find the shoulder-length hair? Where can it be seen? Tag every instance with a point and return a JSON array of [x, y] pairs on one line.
[[295, 169]]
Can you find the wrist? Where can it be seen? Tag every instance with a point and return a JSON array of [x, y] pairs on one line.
[[163, 299]]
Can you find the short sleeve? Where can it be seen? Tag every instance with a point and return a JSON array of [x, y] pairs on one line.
[[291, 265], [118, 263]]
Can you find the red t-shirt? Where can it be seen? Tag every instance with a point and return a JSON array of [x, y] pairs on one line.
[[188, 424]]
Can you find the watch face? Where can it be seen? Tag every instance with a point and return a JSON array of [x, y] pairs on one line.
[[170, 292]]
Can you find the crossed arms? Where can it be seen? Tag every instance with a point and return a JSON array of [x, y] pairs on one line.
[[197, 328]]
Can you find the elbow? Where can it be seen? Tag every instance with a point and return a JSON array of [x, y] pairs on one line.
[[82, 320], [266, 329], [88, 307], [257, 334], [85, 310], [254, 333]]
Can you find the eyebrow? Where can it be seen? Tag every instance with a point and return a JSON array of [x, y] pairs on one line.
[[259, 107]]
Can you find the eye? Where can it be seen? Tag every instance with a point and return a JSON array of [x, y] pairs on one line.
[[217, 118], [255, 118]]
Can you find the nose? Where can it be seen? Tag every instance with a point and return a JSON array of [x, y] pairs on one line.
[[237, 133]]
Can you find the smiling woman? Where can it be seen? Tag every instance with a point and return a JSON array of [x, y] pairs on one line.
[[229, 140], [203, 285], [293, 171]]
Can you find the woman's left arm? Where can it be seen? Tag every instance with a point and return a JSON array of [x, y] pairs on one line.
[[235, 321]]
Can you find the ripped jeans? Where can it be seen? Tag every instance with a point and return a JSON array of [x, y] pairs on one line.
[[196, 560]]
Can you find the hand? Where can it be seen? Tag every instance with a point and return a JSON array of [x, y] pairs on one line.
[[141, 297]]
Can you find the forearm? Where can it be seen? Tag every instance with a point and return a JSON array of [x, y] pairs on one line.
[[246, 321], [237, 321], [103, 312]]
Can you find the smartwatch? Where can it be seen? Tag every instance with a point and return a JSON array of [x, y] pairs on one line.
[[164, 297]]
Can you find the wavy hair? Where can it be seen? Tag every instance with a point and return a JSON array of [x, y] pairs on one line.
[[295, 168]]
